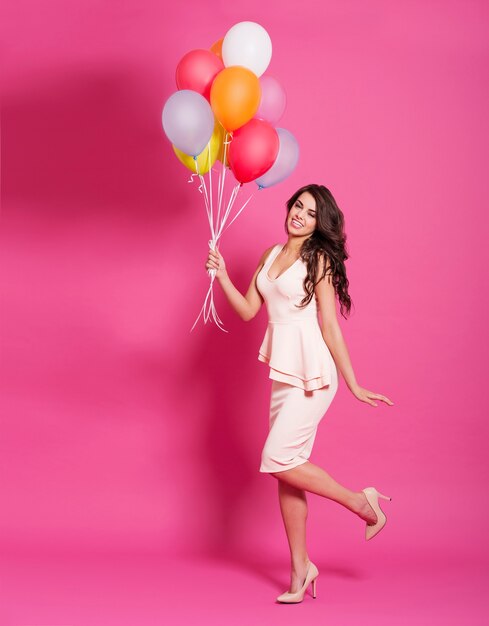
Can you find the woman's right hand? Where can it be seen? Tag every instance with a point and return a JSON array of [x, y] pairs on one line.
[[216, 262]]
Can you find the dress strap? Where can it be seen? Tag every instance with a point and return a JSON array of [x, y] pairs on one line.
[[273, 254]]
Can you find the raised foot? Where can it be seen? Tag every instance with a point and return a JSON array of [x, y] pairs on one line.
[[372, 496], [365, 511]]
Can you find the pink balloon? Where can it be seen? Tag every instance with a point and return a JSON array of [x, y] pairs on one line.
[[197, 70], [273, 100], [253, 150]]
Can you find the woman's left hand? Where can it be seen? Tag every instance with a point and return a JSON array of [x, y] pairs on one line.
[[367, 396]]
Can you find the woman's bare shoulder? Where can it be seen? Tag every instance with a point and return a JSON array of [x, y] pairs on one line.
[[267, 252]]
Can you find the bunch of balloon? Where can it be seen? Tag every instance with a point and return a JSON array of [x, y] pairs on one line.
[[226, 109]]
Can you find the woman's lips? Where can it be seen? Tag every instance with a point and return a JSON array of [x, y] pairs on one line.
[[296, 224]]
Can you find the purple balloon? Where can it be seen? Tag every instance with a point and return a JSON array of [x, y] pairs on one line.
[[285, 163], [188, 121], [273, 100]]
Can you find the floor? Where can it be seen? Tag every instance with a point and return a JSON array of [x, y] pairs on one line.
[[154, 590]]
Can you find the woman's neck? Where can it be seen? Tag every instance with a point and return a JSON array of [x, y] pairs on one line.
[[294, 245]]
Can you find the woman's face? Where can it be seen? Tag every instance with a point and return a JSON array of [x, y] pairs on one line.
[[301, 220]]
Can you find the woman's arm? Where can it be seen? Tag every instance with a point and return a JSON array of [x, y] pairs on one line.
[[331, 329], [246, 306], [333, 337]]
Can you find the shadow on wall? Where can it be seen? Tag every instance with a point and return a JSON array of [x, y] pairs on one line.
[[85, 138], [90, 144], [236, 414]]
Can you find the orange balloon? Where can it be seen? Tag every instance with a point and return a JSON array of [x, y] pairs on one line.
[[235, 96], [216, 48]]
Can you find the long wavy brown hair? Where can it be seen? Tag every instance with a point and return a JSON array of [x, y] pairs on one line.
[[328, 241]]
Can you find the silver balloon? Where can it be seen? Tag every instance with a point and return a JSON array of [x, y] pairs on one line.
[[286, 161], [188, 121]]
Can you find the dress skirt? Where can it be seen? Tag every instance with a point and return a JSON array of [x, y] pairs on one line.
[[294, 417]]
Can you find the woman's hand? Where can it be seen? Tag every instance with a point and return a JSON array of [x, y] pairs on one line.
[[367, 396], [216, 262]]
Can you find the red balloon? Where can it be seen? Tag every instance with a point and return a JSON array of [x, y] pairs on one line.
[[253, 150], [197, 70]]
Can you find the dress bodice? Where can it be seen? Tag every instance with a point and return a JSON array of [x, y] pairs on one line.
[[293, 345]]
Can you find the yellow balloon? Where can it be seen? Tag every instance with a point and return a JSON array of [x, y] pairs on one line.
[[204, 163], [222, 147]]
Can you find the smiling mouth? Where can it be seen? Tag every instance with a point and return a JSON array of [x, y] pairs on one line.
[[296, 223]]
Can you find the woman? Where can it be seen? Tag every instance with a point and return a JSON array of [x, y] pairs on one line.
[[297, 281]]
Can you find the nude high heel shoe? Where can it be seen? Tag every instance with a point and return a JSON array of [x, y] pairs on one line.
[[298, 596], [373, 496]]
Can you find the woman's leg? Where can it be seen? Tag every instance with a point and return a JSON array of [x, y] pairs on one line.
[[312, 478], [293, 506]]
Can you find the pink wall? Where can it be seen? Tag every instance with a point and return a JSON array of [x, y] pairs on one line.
[[122, 429]]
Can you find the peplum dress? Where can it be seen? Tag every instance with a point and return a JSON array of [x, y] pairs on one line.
[[301, 367]]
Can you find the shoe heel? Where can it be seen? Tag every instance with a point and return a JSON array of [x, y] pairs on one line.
[[381, 495], [314, 588]]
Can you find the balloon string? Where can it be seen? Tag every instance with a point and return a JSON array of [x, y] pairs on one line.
[[209, 309], [219, 197], [221, 190], [206, 199], [203, 310], [209, 299], [232, 199], [222, 174], [234, 195], [228, 209], [240, 210], [210, 184]]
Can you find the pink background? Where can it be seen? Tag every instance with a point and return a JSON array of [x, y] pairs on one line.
[[122, 433]]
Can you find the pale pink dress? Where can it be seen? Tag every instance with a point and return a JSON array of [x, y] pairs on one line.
[[302, 369]]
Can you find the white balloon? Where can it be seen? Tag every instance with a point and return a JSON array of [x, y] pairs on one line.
[[247, 44]]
